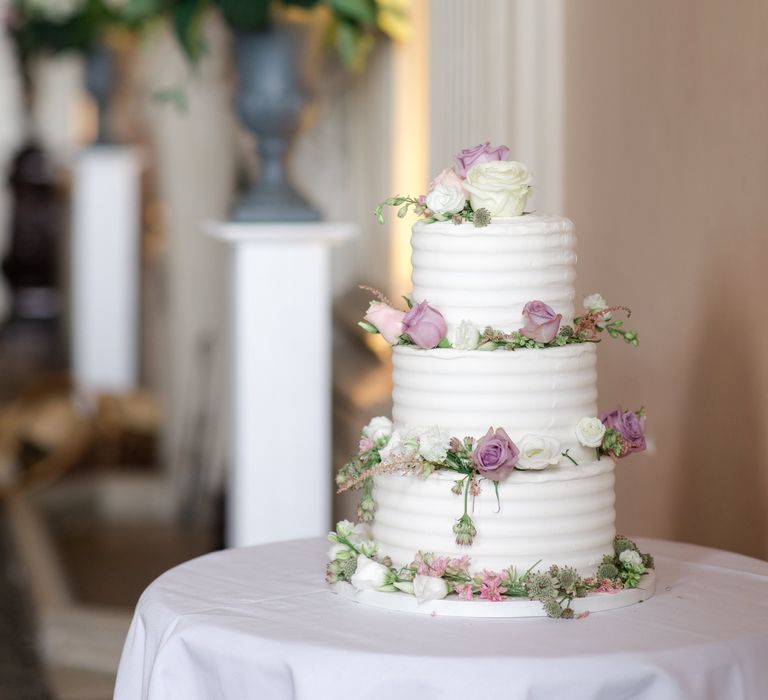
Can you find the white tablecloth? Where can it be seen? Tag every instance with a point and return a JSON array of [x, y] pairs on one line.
[[261, 623]]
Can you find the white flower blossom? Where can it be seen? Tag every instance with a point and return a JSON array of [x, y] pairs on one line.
[[446, 199], [433, 444], [465, 336], [369, 574], [360, 533], [590, 431], [378, 431], [344, 528], [427, 588], [400, 442], [594, 302], [500, 186], [538, 452], [631, 558]]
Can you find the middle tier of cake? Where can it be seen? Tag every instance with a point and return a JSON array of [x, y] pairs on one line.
[[537, 391]]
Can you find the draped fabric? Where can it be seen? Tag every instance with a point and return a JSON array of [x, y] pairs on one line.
[[261, 623]]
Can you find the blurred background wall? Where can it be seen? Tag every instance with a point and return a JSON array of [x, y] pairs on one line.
[[666, 168]]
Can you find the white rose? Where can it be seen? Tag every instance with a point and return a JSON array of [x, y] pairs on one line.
[[465, 336], [379, 430], [446, 199], [429, 588], [433, 444], [590, 431], [369, 574], [538, 452], [500, 186], [631, 557]]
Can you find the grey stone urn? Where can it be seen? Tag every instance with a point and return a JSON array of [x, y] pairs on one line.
[[270, 98], [100, 72]]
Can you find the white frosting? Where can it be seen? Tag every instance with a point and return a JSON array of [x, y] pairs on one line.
[[560, 516], [486, 275], [537, 391]]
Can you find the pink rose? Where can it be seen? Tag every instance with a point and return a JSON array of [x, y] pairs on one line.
[[495, 455], [541, 322], [629, 425], [482, 153], [449, 178], [388, 321], [425, 325]]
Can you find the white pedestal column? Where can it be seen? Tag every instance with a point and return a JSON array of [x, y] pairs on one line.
[[104, 268], [279, 484]]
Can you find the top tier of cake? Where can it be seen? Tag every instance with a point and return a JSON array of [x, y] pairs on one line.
[[486, 275]]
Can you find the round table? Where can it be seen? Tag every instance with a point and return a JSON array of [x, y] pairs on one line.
[[261, 623]]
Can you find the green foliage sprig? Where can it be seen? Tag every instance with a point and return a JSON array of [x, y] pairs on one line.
[[404, 203]]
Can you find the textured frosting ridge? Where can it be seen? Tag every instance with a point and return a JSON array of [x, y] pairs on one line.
[[486, 275], [559, 516], [537, 391]]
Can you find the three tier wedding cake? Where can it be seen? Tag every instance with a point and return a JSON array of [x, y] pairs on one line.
[[494, 480]]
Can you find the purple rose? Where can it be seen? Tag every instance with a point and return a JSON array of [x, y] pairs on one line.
[[424, 325], [495, 454], [629, 425], [541, 322], [482, 153]]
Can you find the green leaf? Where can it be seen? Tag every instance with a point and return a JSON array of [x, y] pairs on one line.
[[368, 327], [358, 11], [175, 96], [186, 18], [402, 211], [444, 343], [404, 586], [408, 301], [353, 45]]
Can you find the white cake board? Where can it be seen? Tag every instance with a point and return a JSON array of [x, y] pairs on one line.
[[509, 607]]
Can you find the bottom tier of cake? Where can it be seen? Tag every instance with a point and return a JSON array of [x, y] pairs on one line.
[[562, 516]]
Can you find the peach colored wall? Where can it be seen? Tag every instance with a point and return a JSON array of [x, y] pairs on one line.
[[666, 178]]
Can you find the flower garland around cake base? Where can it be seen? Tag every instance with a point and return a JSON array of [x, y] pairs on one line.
[[354, 558], [492, 458]]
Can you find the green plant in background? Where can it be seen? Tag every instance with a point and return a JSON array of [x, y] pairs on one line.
[[55, 26], [354, 24]]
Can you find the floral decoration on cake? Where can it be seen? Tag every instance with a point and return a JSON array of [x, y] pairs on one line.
[[422, 325], [482, 184], [354, 558], [489, 460]]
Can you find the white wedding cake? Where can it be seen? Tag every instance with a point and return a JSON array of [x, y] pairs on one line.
[[495, 476]]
